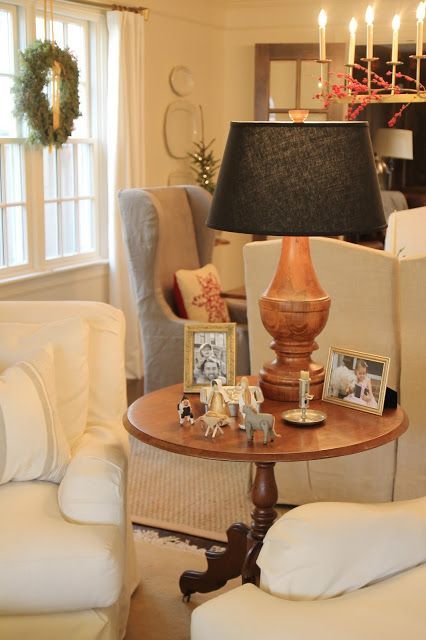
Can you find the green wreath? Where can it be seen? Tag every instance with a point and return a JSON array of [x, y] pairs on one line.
[[31, 101]]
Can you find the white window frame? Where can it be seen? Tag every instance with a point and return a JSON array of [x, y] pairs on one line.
[[37, 264]]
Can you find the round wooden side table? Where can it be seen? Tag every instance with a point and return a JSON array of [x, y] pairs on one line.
[[153, 420]]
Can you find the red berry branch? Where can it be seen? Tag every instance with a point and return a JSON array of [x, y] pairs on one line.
[[351, 88]]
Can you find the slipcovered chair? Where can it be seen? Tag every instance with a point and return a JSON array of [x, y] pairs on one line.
[[330, 571], [378, 306], [164, 230], [67, 565]]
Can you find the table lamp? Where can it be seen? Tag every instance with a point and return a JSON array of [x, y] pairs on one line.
[[295, 180], [394, 144]]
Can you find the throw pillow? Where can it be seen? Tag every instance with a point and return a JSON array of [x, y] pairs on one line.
[[32, 442], [70, 341], [197, 295]]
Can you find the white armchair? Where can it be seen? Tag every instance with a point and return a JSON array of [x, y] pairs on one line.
[[330, 571], [66, 550]]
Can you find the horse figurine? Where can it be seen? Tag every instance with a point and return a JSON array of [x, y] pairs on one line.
[[259, 422]]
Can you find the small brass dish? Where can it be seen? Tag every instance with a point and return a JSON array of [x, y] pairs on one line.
[[311, 417]]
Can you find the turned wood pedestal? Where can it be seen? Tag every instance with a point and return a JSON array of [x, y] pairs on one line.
[[153, 420]]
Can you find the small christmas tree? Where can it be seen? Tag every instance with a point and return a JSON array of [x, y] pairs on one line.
[[203, 161]]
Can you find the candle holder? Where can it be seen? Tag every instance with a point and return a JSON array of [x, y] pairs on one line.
[[324, 72], [394, 64], [304, 416], [419, 60]]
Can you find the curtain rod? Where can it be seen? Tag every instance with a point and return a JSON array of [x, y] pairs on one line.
[[144, 11]]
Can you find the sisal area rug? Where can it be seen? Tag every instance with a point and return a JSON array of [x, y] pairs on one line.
[[190, 495], [157, 611]]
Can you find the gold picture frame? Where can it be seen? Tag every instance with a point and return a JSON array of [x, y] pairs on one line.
[[209, 353], [356, 380]]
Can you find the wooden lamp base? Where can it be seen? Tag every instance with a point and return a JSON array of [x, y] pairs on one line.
[[294, 310]]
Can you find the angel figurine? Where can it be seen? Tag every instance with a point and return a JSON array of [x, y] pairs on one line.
[[216, 415]]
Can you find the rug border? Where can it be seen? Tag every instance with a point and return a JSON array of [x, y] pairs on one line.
[[215, 536]]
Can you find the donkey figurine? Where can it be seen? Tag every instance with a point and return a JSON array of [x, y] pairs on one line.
[[259, 422]]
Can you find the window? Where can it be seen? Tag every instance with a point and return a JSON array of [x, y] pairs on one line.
[[49, 198]]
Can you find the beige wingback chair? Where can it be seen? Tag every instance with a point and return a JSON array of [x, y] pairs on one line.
[[378, 307], [67, 565], [165, 230]]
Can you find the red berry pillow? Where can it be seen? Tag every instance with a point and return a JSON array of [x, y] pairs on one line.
[[197, 295]]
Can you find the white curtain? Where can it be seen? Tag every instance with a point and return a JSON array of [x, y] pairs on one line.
[[126, 159]]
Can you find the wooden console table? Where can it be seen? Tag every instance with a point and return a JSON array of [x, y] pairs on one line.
[[153, 420]]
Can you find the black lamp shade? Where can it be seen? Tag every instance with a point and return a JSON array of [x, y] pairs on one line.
[[291, 179]]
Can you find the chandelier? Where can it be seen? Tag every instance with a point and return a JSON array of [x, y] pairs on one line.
[[373, 87]]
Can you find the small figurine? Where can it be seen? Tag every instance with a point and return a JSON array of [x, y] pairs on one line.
[[213, 424], [259, 422], [216, 416], [248, 396], [185, 411], [217, 401]]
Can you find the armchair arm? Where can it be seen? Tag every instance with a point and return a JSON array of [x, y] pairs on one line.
[[93, 489], [237, 310]]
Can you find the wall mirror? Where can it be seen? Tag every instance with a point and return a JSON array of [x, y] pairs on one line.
[[181, 128]]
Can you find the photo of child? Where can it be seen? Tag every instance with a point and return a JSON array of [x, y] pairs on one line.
[[360, 390], [356, 379]]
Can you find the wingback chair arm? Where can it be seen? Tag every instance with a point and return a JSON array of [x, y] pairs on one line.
[[237, 311]]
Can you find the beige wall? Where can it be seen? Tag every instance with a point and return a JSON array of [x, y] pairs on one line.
[[190, 34]]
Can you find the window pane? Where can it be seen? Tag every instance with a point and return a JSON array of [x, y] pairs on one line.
[[66, 170], [309, 84], [58, 33], [68, 228], [7, 121], [81, 125], [51, 234], [7, 59], [16, 235], [58, 30], [13, 173], [86, 226], [85, 169], [49, 173], [39, 28], [77, 44], [282, 92]]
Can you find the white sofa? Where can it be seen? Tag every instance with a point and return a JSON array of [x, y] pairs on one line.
[[379, 307], [330, 571], [66, 550]]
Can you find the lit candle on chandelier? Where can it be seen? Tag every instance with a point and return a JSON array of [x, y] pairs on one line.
[[369, 19], [353, 25], [396, 23], [420, 15], [322, 21]]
